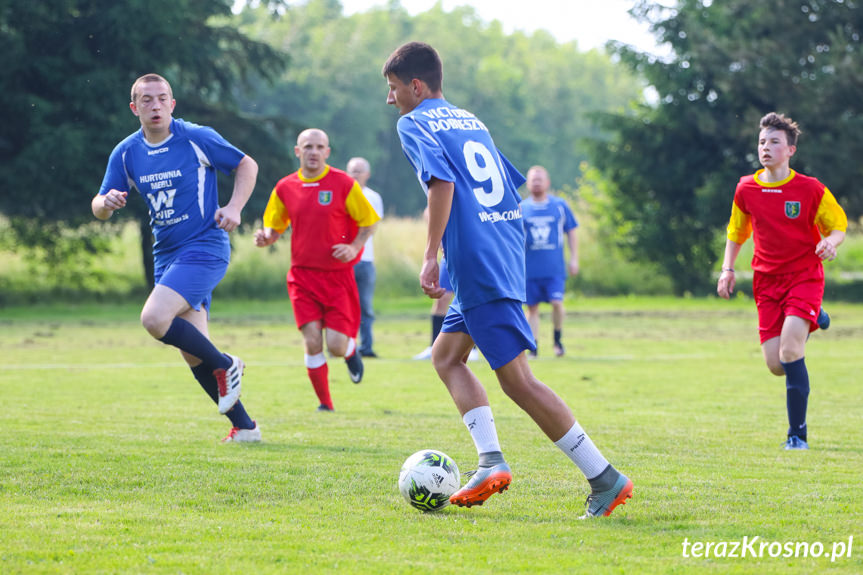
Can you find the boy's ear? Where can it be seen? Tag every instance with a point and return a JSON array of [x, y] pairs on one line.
[[417, 86]]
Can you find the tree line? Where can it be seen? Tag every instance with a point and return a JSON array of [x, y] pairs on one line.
[[669, 163]]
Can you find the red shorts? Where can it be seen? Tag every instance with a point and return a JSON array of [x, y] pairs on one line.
[[328, 296], [780, 295]]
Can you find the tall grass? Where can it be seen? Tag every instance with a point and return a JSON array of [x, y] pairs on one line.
[[399, 242]]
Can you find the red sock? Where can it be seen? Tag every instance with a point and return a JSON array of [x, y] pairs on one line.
[[321, 382]]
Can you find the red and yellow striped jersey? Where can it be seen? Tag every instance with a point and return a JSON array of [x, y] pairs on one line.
[[322, 212], [787, 219]]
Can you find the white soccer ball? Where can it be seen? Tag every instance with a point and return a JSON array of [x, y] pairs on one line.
[[428, 478]]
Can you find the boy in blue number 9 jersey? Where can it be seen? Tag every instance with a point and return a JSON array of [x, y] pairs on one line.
[[474, 213]]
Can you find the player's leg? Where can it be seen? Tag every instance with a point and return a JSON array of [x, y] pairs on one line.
[[364, 273], [791, 353], [501, 328], [557, 316], [533, 322], [243, 428], [316, 363], [186, 284], [534, 296], [493, 475]]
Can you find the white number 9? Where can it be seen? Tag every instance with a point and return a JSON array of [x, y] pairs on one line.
[[484, 173]]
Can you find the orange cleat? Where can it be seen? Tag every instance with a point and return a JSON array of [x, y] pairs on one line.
[[484, 482]]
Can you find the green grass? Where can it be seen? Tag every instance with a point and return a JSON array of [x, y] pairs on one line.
[[111, 461]]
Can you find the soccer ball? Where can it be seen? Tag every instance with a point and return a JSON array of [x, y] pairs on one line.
[[428, 478]]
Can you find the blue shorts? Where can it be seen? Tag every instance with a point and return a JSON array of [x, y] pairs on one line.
[[193, 275], [498, 328], [545, 290], [443, 277]]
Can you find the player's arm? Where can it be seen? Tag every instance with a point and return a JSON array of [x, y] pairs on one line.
[[832, 223], [364, 214], [276, 221], [104, 205], [440, 195], [572, 239], [245, 175], [739, 230]]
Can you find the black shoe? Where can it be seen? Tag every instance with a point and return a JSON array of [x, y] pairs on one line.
[[370, 354], [324, 408], [355, 367]]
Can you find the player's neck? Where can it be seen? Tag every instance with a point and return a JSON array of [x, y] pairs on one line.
[[156, 136], [776, 174], [540, 197]]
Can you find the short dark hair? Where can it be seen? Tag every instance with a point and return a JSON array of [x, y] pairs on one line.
[[416, 60], [784, 123], [150, 78]]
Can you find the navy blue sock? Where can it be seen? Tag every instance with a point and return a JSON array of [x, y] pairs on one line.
[[557, 334], [238, 416], [437, 324], [796, 396], [205, 377], [186, 337]]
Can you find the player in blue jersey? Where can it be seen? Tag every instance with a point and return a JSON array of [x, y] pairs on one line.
[[474, 214], [172, 164], [547, 219]]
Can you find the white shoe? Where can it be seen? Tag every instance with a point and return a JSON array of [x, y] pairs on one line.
[[243, 435], [473, 355], [424, 354], [230, 383]]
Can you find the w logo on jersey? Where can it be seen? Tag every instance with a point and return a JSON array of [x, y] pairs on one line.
[[162, 199], [325, 197], [540, 234], [792, 209]]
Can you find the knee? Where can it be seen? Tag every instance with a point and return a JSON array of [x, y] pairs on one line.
[[776, 368], [155, 325]]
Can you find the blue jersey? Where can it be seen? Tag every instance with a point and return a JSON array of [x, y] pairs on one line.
[[484, 237], [547, 224], [177, 179]]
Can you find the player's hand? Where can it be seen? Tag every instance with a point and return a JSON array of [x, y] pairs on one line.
[[725, 287], [825, 250], [228, 218], [344, 252], [430, 279], [265, 237], [573, 267], [114, 200]]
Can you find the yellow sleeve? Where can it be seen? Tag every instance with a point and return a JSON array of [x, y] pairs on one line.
[[830, 215], [739, 226], [275, 214], [359, 207]]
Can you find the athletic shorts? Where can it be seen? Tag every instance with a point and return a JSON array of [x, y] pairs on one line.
[[545, 290], [328, 296], [443, 277], [780, 295], [194, 275], [498, 328]]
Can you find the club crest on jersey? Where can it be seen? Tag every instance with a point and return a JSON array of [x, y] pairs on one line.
[[325, 197], [792, 209]]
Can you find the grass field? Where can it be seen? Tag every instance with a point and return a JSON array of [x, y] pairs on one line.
[[111, 461]]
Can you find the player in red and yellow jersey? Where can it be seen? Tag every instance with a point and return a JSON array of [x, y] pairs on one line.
[[330, 220], [796, 223]]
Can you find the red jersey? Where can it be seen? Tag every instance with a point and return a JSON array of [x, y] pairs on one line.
[[322, 212], [788, 219]]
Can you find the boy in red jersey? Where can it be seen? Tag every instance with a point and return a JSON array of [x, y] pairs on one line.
[[788, 214], [331, 220]]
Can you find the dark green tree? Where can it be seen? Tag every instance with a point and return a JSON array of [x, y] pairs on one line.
[[64, 94], [674, 163]]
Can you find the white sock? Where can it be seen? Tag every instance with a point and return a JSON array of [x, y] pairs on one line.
[[480, 423], [352, 345], [581, 450], [314, 361]]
